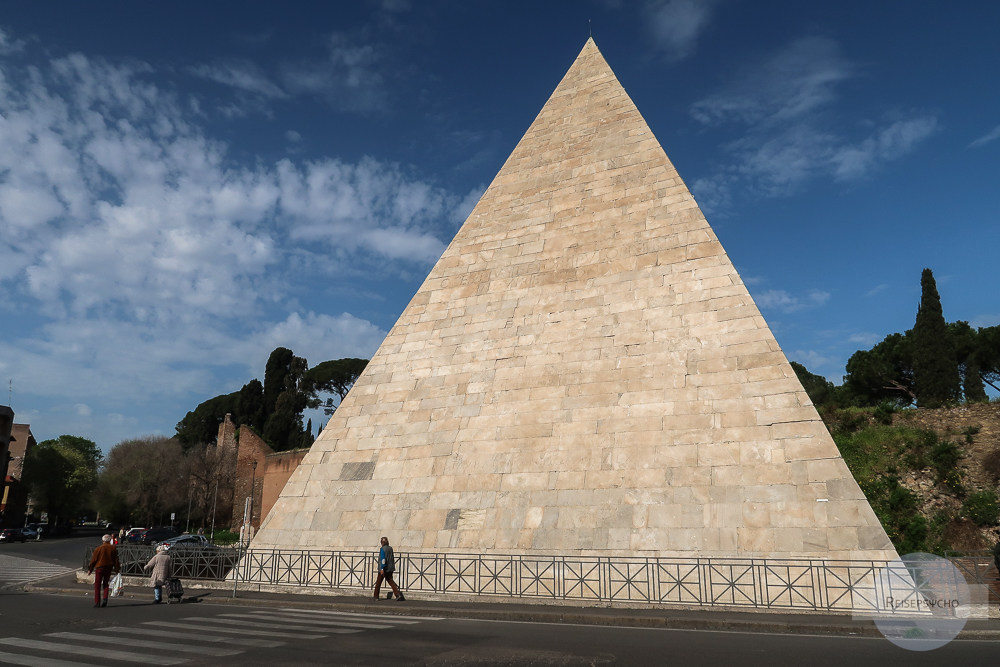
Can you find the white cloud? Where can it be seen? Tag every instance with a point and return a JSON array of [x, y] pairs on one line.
[[319, 337], [865, 339], [463, 209], [677, 24], [348, 78], [878, 289], [784, 108], [990, 136], [369, 206], [150, 266], [985, 320], [714, 194], [784, 302], [8, 44], [242, 75], [815, 362], [793, 82], [888, 143]]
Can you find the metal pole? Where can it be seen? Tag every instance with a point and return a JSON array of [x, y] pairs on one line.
[[253, 484], [215, 503], [187, 526]]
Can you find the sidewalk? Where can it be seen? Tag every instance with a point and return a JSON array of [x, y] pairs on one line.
[[780, 622]]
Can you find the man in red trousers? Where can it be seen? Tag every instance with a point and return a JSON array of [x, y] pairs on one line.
[[103, 562]]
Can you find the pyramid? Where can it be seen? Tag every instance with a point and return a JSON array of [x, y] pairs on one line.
[[582, 372]]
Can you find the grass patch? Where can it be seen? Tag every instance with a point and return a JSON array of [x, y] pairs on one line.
[[878, 455]]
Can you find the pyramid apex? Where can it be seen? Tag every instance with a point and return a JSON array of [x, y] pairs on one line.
[[588, 46]]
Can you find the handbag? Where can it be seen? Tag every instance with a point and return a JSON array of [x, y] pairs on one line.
[[117, 585]]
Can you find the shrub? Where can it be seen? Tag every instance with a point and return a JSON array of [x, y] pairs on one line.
[[225, 537], [970, 432], [991, 465], [982, 507], [944, 457], [883, 413]]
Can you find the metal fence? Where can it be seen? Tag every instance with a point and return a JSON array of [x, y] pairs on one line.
[[188, 563], [818, 585]]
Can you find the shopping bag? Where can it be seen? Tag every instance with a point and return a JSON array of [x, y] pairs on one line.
[[117, 586]]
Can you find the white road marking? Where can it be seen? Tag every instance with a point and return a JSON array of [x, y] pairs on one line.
[[38, 661], [237, 631], [14, 570], [384, 617], [235, 619], [107, 654], [163, 646], [186, 635], [312, 624]]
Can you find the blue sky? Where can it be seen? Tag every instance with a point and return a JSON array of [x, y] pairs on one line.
[[186, 186]]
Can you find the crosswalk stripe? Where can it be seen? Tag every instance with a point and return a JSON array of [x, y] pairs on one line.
[[106, 653], [239, 641], [233, 619], [282, 621], [17, 570], [180, 648], [324, 612], [265, 633], [36, 661], [346, 618]]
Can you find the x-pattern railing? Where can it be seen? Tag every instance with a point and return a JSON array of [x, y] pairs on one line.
[[762, 583]]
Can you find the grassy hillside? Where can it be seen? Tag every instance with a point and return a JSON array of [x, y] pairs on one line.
[[930, 475]]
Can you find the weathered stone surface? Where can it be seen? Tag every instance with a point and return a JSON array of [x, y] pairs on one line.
[[582, 371]]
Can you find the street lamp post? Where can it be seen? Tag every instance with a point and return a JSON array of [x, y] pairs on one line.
[[215, 504], [247, 523], [253, 487], [187, 526]]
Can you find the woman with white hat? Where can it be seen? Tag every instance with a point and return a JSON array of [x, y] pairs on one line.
[[162, 568]]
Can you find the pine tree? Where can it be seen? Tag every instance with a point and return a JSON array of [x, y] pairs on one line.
[[935, 373]]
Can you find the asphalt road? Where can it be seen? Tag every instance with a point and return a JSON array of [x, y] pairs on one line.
[[68, 551], [39, 629]]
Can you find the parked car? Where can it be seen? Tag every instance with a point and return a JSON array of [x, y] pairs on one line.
[[11, 535], [156, 535], [188, 541], [132, 534], [195, 557], [29, 533]]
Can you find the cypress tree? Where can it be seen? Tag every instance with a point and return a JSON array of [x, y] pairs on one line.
[[935, 372]]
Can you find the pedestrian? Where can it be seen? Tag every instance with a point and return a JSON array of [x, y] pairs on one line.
[[386, 566], [102, 563], [162, 570]]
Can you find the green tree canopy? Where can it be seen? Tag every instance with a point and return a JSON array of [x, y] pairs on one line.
[[988, 355], [275, 408], [334, 377], [883, 373], [966, 341], [821, 391], [201, 425], [62, 474]]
